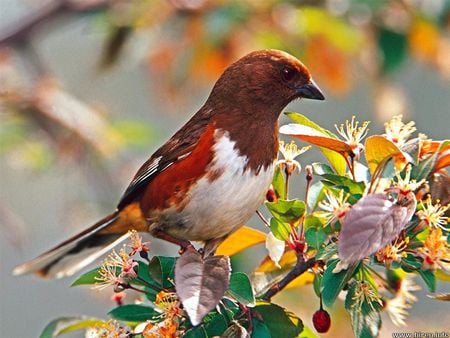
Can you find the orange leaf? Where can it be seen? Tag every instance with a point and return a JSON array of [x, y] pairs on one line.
[[443, 160], [315, 137], [240, 240]]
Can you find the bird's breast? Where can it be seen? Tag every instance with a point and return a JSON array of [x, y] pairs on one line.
[[223, 199]]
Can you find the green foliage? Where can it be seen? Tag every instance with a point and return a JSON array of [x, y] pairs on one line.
[[134, 313]]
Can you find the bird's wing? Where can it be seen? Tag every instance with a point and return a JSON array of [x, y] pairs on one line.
[[177, 148]]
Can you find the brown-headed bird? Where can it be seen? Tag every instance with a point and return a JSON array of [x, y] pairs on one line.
[[210, 177]]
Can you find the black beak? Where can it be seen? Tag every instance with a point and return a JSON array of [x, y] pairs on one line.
[[310, 91]]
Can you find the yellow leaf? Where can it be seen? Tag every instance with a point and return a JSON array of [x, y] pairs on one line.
[[442, 276], [379, 149], [303, 279], [288, 259], [240, 240]]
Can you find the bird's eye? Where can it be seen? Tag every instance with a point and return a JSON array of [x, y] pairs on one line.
[[288, 73]]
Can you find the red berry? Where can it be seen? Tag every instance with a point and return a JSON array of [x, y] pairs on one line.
[[322, 321], [271, 196]]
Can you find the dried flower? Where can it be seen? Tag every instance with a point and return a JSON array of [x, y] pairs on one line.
[[290, 151], [393, 252], [433, 215], [169, 304], [125, 262], [398, 306], [164, 329], [137, 245], [397, 131], [335, 207], [364, 293], [397, 309], [111, 329], [109, 275], [435, 252], [352, 133], [406, 184]]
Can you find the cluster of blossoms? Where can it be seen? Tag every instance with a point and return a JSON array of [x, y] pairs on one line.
[[117, 270]]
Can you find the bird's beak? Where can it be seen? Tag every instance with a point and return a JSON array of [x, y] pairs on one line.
[[310, 91]]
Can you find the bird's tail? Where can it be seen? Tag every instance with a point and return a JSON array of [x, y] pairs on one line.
[[78, 251]]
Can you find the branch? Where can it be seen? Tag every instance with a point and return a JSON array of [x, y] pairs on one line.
[[21, 31], [300, 267]]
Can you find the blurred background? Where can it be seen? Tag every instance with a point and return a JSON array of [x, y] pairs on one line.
[[90, 88]]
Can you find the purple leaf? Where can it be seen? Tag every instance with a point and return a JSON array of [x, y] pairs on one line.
[[372, 223], [201, 282]]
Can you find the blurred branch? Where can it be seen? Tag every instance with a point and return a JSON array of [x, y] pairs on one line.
[[19, 34]]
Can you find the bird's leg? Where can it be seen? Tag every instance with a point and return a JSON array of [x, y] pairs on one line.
[[184, 245], [211, 246]]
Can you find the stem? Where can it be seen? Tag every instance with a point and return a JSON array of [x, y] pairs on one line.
[[143, 281], [352, 157], [350, 167], [381, 279], [309, 177], [286, 185], [137, 289], [300, 267], [263, 218]]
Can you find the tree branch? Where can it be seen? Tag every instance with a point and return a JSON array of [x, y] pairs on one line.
[[20, 33], [300, 267]]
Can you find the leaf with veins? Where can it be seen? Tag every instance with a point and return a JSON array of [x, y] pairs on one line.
[[201, 282], [372, 223]]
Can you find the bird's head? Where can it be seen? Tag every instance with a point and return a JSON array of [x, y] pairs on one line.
[[265, 80]]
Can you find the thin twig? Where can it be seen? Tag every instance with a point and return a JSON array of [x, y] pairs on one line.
[[300, 267], [262, 218]]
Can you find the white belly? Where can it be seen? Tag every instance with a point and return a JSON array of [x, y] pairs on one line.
[[216, 207]]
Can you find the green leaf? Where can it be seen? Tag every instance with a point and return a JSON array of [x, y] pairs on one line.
[[365, 317], [322, 169], [307, 333], [393, 46], [241, 289], [327, 252], [424, 168], [89, 277], [335, 159], [215, 324], [63, 325], [345, 183], [287, 210], [162, 270], [279, 183], [315, 237], [315, 195], [260, 330], [429, 278], [317, 283], [133, 313], [332, 283], [280, 230], [312, 221], [411, 263], [279, 321], [196, 332]]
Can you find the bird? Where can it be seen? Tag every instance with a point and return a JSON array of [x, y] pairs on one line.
[[210, 177]]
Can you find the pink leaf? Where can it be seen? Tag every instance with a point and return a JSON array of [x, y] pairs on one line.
[[372, 223], [201, 282]]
